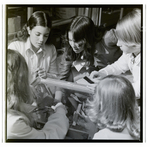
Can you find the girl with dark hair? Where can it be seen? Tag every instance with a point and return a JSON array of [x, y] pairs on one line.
[[38, 18], [40, 57], [20, 121], [79, 46], [31, 44], [81, 42], [81, 37], [84, 42], [78, 57]]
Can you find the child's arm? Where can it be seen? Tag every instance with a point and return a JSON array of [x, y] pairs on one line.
[[55, 128], [120, 66]]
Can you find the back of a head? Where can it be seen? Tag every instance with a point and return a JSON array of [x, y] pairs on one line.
[[114, 105], [17, 80], [128, 29], [118, 106], [117, 96]]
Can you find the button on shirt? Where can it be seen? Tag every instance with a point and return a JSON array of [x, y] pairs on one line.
[[34, 61], [44, 58]]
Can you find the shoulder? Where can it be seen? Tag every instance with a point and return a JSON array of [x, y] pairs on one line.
[[108, 134], [50, 48], [16, 123], [102, 134], [16, 45]]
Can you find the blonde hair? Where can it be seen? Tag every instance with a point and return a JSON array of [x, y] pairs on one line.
[[114, 106], [128, 29]]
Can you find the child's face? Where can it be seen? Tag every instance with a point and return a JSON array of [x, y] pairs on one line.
[[76, 46], [128, 48], [38, 36]]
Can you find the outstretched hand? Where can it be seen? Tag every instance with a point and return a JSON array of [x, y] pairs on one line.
[[95, 76]]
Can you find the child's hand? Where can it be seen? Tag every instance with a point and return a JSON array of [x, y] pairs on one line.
[[60, 108], [41, 73], [95, 76]]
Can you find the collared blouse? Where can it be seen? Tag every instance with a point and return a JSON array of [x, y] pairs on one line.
[[44, 58]]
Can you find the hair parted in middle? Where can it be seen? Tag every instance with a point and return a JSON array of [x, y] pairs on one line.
[[82, 28], [38, 18]]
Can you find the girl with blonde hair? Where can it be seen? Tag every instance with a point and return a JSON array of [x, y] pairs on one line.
[[114, 109], [128, 33]]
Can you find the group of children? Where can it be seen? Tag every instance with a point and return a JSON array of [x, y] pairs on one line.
[[113, 108]]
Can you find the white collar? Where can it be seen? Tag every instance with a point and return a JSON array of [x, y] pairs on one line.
[[28, 48]]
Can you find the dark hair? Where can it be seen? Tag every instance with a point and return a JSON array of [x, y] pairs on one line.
[[18, 89], [82, 27], [38, 18]]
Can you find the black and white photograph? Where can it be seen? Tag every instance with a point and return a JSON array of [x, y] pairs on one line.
[[74, 73]]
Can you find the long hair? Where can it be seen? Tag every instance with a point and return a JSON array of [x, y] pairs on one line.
[[82, 28], [114, 106], [18, 89], [38, 18], [128, 29]]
